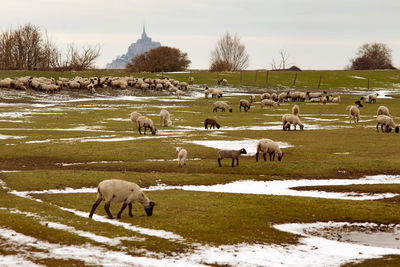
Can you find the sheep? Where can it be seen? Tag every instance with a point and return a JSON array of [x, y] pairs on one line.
[[274, 97], [165, 119], [182, 156], [147, 123], [270, 103], [252, 98], [282, 97], [372, 98], [223, 82], [221, 105], [354, 113], [383, 110], [206, 92], [178, 93], [268, 146], [295, 110], [336, 99], [245, 104], [191, 80], [358, 103], [121, 191], [183, 85], [265, 96], [386, 121], [315, 94], [213, 123], [321, 99], [234, 154], [296, 95], [289, 119], [134, 116]]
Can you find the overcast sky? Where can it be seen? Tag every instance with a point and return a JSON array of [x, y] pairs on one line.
[[316, 34]]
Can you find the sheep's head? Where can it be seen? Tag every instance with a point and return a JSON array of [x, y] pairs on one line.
[[149, 209], [153, 131], [230, 110], [169, 123], [243, 151], [396, 130], [280, 156], [218, 126], [301, 127], [178, 149]]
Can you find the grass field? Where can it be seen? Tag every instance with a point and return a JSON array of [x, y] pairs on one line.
[[73, 140]]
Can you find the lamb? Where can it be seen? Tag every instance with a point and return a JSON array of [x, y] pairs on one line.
[[386, 121], [289, 119], [213, 123], [182, 156], [282, 97], [147, 123], [121, 191], [336, 99], [274, 97], [354, 113], [252, 98], [134, 116], [372, 98], [265, 96], [383, 110], [268, 146], [234, 154], [191, 80], [295, 110], [269, 102], [223, 82], [165, 119], [245, 104], [222, 105]]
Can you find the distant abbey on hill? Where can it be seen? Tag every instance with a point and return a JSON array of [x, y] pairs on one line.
[[140, 47]]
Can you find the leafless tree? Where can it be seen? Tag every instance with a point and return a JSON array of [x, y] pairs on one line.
[[284, 61], [80, 60], [229, 54]]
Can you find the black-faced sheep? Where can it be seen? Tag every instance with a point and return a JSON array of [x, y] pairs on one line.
[[182, 156], [121, 191], [245, 104], [221, 105], [387, 122], [233, 154], [213, 123], [289, 119], [265, 146], [146, 123]]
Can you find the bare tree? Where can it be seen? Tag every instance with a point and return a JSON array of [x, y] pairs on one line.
[[372, 56], [75, 60], [284, 61], [229, 54]]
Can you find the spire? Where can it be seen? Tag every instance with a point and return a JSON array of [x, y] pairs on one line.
[[144, 35]]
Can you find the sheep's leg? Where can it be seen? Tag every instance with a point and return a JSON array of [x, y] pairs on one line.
[[237, 161], [273, 156], [130, 209], [377, 129], [382, 128], [107, 208], [122, 209], [265, 156], [94, 207], [140, 132], [219, 162], [257, 156]]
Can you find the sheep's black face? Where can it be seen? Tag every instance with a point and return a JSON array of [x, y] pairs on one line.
[[243, 151], [218, 126], [280, 157], [396, 129], [149, 210], [230, 110], [301, 127], [153, 132]]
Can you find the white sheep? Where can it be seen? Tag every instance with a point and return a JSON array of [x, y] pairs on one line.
[[165, 119], [295, 110], [182, 156], [383, 110], [373, 97], [265, 146], [245, 104], [146, 123], [387, 122], [252, 98], [233, 154], [354, 113], [282, 97], [121, 191], [289, 119], [134, 116], [221, 105], [265, 96], [269, 102]]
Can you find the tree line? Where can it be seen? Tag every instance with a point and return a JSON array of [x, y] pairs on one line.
[[29, 48]]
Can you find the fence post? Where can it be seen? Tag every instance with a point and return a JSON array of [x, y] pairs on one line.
[[255, 77], [240, 76], [295, 78], [368, 83], [266, 77], [319, 82]]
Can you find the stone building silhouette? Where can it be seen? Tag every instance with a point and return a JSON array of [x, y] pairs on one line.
[[141, 46]]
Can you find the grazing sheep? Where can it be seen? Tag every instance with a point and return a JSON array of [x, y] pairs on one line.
[[268, 146], [372, 98], [269, 102], [223, 82], [233, 154], [296, 95], [191, 80], [165, 119], [178, 93], [121, 191], [183, 85], [182, 156], [213, 123], [134, 116], [245, 104], [295, 110], [282, 97], [335, 99], [289, 119], [358, 103], [265, 96], [221, 105], [354, 113], [322, 99], [386, 121], [147, 123], [315, 94], [274, 97], [383, 110]]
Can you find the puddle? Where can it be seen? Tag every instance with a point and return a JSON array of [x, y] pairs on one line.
[[90, 162], [3, 136], [250, 145], [342, 153]]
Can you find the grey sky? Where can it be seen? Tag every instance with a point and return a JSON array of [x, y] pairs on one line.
[[316, 34]]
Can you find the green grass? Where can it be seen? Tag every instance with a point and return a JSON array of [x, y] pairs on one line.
[[199, 217]]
